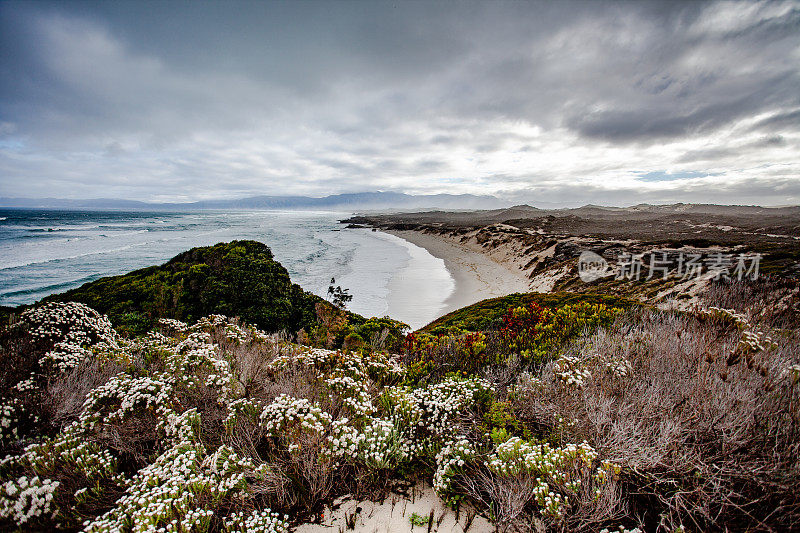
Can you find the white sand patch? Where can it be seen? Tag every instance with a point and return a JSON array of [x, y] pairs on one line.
[[395, 513], [546, 281], [477, 274]]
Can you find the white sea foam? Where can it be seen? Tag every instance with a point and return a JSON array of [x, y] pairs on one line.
[[385, 274], [418, 290]]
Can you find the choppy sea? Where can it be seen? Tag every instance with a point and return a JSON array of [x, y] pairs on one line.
[[48, 251]]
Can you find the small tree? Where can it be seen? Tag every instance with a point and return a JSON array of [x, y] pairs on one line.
[[338, 296]]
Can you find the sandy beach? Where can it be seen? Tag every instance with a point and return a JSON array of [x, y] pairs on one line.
[[476, 275], [418, 289]]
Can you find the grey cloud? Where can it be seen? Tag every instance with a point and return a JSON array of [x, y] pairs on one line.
[[280, 97], [734, 149], [779, 191], [780, 121]]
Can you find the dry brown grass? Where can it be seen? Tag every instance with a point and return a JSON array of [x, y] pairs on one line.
[[702, 443]]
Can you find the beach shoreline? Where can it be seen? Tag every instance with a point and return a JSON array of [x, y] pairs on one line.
[[476, 276], [414, 291]]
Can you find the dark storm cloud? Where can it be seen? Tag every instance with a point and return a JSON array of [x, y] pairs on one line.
[[206, 99]]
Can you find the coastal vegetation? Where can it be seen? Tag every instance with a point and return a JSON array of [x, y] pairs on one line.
[[238, 278], [551, 412]]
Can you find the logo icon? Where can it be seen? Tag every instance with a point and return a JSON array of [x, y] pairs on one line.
[[592, 266]]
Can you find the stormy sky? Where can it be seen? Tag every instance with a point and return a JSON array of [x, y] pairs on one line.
[[547, 103]]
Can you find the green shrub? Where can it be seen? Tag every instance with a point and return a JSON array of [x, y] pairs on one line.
[[239, 278]]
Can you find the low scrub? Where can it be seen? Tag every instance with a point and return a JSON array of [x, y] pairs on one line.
[[580, 417]]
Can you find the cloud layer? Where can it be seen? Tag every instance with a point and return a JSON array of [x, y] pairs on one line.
[[546, 103]]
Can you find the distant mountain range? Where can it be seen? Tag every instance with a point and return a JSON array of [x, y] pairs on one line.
[[487, 208], [635, 212], [362, 201]]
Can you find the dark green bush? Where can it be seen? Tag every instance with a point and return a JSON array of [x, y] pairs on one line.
[[239, 278]]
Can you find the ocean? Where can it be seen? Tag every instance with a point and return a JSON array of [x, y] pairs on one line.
[[49, 251]]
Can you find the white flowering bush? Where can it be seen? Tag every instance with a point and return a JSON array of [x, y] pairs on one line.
[[354, 394], [556, 470], [65, 356], [262, 521], [286, 417], [71, 322], [25, 499], [434, 408], [9, 419], [70, 333], [71, 328], [123, 395], [68, 455], [618, 367], [379, 444], [181, 488], [197, 362], [243, 411], [571, 371], [450, 462], [68, 450]]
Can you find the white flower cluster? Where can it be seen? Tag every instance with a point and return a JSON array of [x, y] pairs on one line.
[[435, 406], [571, 371], [379, 367], [318, 358], [71, 322], [552, 467], [72, 328], [352, 376], [194, 341], [233, 332], [182, 427], [24, 499], [380, 444], [195, 361], [549, 502], [161, 494], [26, 384], [170, 324], [232, 470], [727, 314], [621, 529], [124, 394], [243, 408], [260, 521], [618, 366], [9, 420], [65, 355], [171, 493], [449, 462], [516, 456], [69, 450], [213, 323], [354, 394], [287, 415]]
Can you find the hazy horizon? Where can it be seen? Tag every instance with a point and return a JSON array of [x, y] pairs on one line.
[[90, 204], [549, 104]]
